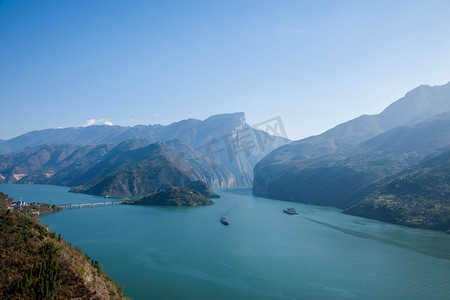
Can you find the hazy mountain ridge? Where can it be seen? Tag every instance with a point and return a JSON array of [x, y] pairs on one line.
[[224, 139], [416, 106], [46, 164], [330, 169], [131, 168], [193, 132], [424, 137]]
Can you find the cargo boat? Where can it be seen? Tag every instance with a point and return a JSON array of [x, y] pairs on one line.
[[290, 211], [224, 221]]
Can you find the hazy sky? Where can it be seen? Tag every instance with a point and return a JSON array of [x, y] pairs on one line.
[[314, 63]]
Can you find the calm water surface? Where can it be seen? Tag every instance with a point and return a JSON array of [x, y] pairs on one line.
[[186, 253]]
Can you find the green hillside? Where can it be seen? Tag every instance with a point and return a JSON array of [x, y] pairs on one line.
[[418, 198], [36, 264], [174, 196]]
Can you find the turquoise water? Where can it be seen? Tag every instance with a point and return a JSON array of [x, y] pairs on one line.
[[186, 253]]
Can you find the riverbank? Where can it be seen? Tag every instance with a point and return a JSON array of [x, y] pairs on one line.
[[38, 264]]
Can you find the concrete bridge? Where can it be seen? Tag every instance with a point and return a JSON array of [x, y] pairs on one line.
[[80, 205]]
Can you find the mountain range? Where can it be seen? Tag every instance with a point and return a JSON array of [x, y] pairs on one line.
[[416, 106], [391, 166], [134, 161], [335, 167]]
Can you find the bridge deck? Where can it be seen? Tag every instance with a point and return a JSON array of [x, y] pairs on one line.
[[79, 205]]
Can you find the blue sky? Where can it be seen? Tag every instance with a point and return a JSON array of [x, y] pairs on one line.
[[314, 63]]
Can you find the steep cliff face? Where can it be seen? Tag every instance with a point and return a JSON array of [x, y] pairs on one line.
[[201, 167]]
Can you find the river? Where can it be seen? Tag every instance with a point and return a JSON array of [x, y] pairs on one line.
[[186, 253]]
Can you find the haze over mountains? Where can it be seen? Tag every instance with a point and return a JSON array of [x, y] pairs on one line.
[[134, 161], [378, 166], [333, 168], [417, 105]]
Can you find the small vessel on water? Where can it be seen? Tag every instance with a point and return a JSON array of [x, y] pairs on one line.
[[290, 211], [224, 221]]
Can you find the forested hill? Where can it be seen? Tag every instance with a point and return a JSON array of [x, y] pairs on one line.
[[36, 264], [417, 197]]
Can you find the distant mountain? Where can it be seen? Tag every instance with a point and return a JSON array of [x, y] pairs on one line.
[[335, 167], [417, 197], [145, 170], [50, 164], [131, 168], [192, 132], [417, 105], [138, 179], [225, 139], [423, 138]]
